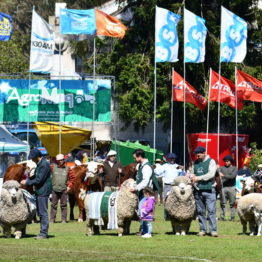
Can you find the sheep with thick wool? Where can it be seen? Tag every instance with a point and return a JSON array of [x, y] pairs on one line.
[[14, 209], [127, 204], [180, 205], [245, 210]]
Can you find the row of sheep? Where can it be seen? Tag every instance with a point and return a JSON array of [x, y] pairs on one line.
[[16, 211]]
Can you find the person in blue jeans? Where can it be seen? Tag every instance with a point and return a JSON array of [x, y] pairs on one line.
[[204, 169], [43, 184], [147, 212]]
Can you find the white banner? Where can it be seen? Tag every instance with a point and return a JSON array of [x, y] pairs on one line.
[[233, 45], [166, 39], [194, 38], [42, 45]]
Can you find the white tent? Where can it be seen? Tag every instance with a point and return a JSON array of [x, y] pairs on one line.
[[10, 143]]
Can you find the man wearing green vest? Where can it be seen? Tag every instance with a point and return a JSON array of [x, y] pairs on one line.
[[43, 186], [59, 184], [145, 176], [204, 169]]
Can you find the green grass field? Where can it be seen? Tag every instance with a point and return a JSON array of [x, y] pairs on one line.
[[68, 242]]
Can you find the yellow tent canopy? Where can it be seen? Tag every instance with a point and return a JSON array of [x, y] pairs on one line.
[[71, 137]]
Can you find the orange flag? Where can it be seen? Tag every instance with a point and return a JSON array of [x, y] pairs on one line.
[[227, 91], [192, 96], [249, 87], [108, 25]]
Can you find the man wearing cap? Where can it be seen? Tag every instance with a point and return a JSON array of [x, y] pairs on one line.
[[204, 169], [258, 174], [228, 174], [168, 171], [112, 172], [43, 185], [60, 188]]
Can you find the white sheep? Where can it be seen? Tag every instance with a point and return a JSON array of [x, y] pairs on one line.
[[127, 204], [15, 210], [180, 205], [245, 208]]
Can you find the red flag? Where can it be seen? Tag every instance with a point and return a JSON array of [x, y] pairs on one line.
[[192, 96], [227, 91], [249, 87], [108, 25]]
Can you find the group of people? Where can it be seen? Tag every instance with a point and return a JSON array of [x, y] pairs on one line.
[[55, 179]]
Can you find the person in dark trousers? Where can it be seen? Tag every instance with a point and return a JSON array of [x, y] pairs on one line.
[[204, 169], [228, 174], [112, 172], [60, 189], [43, 185]]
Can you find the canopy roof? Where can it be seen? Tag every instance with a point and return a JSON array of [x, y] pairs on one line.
[[10, 143]]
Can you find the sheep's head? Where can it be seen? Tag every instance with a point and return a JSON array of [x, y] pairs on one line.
[[128, 185], [182, 187], [11, 192], [249, 184]]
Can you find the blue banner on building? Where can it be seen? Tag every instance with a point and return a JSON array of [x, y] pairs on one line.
[[6, 27]]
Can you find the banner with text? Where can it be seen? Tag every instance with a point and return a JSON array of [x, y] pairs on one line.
[[46, 102]]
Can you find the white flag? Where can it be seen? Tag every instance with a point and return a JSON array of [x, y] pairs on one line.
[[42, 45], [233, 45], [166, 39], [194, 38]]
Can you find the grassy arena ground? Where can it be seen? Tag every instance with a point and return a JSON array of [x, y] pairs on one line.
[[68, 242]]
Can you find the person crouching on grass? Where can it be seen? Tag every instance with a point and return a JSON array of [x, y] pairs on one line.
[[147, 212]]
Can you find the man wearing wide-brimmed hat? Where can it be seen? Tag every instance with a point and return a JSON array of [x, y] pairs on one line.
[[112, 172], [228, 174]]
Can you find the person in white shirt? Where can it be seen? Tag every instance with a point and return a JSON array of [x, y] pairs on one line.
[[168, 171]]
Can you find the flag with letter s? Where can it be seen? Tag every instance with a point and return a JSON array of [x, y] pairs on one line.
[[194, 38], [233, 42], [42, 45], [6, 27], [166, 39]]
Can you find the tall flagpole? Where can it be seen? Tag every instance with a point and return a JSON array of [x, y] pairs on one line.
[[172, 115], [208, 109], [236, 94], [94, 88], [154, 128], [184, 111], [60, 91]]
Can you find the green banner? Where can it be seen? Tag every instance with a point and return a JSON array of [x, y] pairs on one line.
[[47, 100]]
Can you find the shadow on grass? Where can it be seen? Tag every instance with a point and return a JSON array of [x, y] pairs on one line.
[[189, 233], [25, 236]]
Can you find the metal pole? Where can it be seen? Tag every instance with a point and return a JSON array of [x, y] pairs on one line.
[[94, 87], [28, 117], [184, 111], [154, 128], [172, 116], [236, 94], [59, 106], [208, 109]]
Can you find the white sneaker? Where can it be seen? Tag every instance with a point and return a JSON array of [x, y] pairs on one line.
[[146, 235]]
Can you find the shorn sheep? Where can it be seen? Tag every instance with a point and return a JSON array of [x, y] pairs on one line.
[[127, 204], [15, 210], [180, 205], [249, 208]]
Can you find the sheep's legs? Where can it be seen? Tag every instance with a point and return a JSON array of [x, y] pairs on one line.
[[6, 231], [89, 227], [127, 224]]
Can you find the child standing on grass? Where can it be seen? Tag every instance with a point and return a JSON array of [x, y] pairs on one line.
[[147, 212]]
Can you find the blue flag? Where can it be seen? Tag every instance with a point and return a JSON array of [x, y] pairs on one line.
[[166, 39], [6, 27], [233, 45], [77, 21], [194, 38]]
